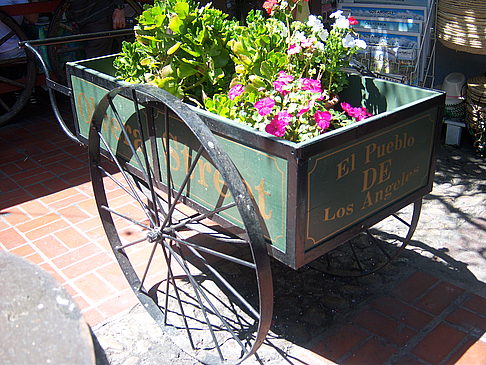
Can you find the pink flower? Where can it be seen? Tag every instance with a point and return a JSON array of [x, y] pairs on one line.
[[304, 110], [278, 124], [323, 119], [345, 106], [307, 43], [283, 80], [311, 85], [352, 20], [294, 49], [235, 91], [358, 113], [280, 87], [284, 77], [264, 106]]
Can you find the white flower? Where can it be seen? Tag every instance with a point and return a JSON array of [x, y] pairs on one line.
[[349, 41], [336, 14], [323, 34], [341, 22], [320, 46], [299, 36], [360, 43], [315, 23]]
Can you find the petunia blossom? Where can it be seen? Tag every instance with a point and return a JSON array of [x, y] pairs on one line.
[[311, 85], [236, 91], [278, 124], [294, 49], [285, 77], [264, 106], [323, 119]]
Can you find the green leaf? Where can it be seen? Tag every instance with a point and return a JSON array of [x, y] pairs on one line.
[[175, 24], [182, 9], [174, 48], [185, 70]]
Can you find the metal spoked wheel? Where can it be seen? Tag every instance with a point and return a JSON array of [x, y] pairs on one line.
[[373, 249], [62, 24], [17, 75], [181, 223]]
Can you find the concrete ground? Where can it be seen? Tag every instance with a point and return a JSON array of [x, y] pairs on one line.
[[427, 307]]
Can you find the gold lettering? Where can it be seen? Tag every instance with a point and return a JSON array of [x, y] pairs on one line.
[[203, 168], [346, 166], [262, 194], [220, 185], [370, 149]]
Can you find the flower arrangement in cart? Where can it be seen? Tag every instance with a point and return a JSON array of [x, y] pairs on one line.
[[273, 73]]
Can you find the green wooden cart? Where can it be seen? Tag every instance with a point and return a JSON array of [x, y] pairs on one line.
[[195, 205]]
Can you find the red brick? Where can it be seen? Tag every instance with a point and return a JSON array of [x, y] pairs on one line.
[[118, 304], [92, 317], [50, 246], [439, 298], [35, 258], [113, 274], [87, 265], [73, 214], [38, 190], [14, 216], [341, 342], [438, 343], [468, 320], [471, 354], [372, 352], [75, 256], [10, 238], [34, 208], [476, 303], [93, 288], [24, 250], [38, 222], [402, 312], [48, 267], [414, 286], [71, 237], [46, 230], [390, 329]]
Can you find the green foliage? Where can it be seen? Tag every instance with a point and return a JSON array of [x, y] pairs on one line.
[[181, 48]]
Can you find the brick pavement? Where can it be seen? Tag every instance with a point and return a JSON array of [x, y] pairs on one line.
[[48, 216]]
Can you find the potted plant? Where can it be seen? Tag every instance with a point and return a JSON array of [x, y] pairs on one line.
[[274, 73]]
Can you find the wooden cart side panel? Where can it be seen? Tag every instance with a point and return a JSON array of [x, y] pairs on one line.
[[352, 182], [265, 175]]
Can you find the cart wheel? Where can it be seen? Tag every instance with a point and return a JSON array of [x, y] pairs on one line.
[[201, 271], [62, 24], [373, 249], [17, 75]]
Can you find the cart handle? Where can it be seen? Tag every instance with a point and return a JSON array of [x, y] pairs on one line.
[[55, 86], [51, 86]]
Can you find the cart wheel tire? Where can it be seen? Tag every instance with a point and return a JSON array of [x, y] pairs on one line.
[[17, 75], [195, 272], [373, 249], [62, 24]]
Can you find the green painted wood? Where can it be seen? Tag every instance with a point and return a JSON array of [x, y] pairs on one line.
[[355, 180]]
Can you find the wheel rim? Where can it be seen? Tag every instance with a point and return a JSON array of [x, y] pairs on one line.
[[216, 287], [17, 77], [373, 249]]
